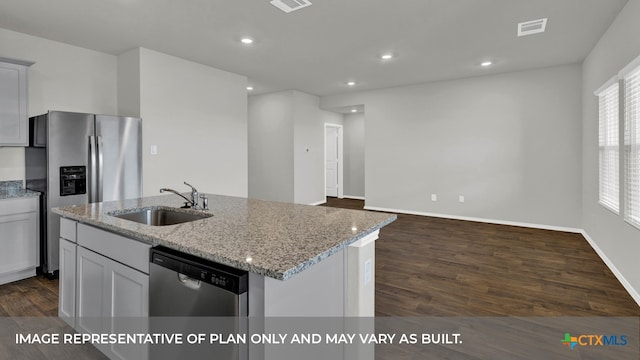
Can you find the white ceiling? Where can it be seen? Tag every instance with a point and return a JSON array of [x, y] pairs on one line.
[[319, 48]]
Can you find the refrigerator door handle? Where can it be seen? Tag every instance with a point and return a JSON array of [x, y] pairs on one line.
[[100, 168], [93, 170]]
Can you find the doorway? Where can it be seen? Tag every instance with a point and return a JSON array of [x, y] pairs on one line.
[[333, 160]]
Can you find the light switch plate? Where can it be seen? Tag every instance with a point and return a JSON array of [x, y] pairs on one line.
[[434, 197], [154, 149]]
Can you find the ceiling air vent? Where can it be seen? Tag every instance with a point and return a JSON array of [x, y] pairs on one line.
[[532, 27], [290, 5]]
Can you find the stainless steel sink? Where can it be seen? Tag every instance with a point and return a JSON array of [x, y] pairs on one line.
[[161, 216]]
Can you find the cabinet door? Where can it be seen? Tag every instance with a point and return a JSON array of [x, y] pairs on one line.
[[19, 239], [67, 298], [13, 102], [92, 289], [128, 308], [112, 298]]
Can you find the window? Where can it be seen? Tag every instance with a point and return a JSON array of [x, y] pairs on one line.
[[609, 146], [611, 105], [632, 146]]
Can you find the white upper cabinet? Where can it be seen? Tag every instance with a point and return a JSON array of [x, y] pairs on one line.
[[14, 122]]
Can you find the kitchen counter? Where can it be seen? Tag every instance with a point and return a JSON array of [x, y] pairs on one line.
[[272, 239], [13, 189]]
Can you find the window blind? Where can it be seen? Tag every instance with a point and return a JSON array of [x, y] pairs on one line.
[[609, 147], [632, 147]]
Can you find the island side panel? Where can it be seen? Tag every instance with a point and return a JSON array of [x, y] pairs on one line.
[[361, 281], [316, 291]]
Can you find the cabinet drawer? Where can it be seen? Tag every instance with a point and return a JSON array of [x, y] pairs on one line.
[[127, 251], [68, 229], [19, 205]]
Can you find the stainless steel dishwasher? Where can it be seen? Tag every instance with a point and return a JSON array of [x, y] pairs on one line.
[[189, 295], [184, 285]]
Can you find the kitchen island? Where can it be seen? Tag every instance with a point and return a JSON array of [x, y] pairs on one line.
[[273, 239], [302, 261]]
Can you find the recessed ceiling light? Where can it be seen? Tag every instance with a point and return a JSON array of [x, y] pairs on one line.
[[387, 56], [486, 63], [246, 40], [351, 83], [354, 110], [249, 88]]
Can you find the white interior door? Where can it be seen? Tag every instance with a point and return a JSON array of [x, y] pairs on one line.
[[331, 160]]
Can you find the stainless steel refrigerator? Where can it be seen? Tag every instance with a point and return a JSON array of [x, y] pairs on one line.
[[76, 158]]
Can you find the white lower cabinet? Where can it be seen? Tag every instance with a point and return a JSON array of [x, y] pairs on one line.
[[112, 299], [111, 296], [19, 238]]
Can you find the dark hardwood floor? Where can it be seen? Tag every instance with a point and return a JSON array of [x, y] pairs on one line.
[[30, 306], [428, 266], [36, 296]]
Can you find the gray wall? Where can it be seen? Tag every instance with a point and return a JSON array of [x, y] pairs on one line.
[[510, 143], [271, 146], [129, 83], [354, 155], [282, 127], [619, 241], [197, 117], [308, 166]]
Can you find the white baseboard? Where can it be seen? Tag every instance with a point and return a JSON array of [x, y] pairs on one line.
[[634, 294], [354, 197], [475, 219], [16, 275], [319, 202]]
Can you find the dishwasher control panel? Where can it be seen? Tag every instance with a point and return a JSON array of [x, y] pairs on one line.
[[219, 275]]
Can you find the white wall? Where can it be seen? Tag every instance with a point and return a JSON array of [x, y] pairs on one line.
[[510, 143], [354, 155], [282, 126], [618, 241], [64, 77], [271, 146], [197, 117]]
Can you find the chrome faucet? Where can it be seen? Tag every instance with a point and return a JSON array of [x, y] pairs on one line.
[[194, 196], [193, 203]]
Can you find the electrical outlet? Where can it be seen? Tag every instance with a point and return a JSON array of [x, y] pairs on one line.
[[368, 271], [461, 198], [434, 197]]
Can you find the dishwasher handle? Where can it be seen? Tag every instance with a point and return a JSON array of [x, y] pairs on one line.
[[189, 282]]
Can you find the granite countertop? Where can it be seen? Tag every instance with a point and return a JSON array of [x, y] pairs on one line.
[[269, 238], [13, 189]]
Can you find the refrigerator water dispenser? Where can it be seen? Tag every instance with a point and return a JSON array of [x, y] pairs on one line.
[[73, 180]]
